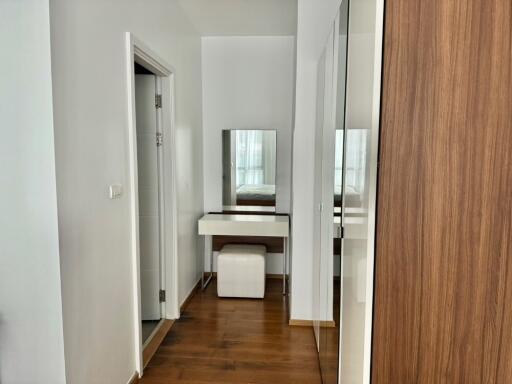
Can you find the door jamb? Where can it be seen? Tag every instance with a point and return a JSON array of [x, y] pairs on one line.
[[138, 52]]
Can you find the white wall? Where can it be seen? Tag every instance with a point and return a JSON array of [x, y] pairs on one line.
[[243, 18], [315, 20], [31, 339], [247, 84], [91, 139]]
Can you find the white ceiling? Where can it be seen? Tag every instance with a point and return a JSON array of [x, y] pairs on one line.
[[242, 17]]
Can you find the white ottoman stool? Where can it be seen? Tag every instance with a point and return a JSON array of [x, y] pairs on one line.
[[241, 271]]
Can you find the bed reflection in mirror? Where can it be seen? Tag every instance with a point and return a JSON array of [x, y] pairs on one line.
[[249, 170], [355, 170]]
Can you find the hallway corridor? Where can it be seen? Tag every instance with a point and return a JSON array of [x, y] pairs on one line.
[[235, 341]]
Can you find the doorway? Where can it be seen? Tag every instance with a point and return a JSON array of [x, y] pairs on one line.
[[153, 203], [151, 226]]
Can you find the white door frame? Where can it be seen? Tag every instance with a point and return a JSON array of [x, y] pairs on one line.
[[142, 54]]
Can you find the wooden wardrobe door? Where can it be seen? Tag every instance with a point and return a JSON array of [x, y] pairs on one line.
[[443, 289]]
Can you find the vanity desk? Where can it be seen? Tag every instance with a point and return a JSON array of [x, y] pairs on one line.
[[247, 228], [247, 198]]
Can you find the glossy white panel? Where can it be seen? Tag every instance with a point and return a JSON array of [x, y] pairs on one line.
[[315, 19], [244, 225], [363, 100]]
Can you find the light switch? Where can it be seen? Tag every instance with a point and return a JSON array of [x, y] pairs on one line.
[[115, 191]]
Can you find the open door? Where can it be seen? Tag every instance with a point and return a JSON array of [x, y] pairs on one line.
[[149, 199]]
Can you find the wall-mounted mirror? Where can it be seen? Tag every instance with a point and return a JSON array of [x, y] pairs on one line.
[[249, 170]]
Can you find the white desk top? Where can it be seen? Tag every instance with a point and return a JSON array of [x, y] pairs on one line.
[[244, 225]]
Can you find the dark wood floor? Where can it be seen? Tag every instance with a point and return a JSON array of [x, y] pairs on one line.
[[235, 341]]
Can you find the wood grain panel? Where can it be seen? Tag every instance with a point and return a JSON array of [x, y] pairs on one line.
[[443, 289], [266, 203], [273, 244]]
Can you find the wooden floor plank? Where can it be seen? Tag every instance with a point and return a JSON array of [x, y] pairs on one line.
[[235, 341]]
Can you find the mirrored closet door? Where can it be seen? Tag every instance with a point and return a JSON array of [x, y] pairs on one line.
[[329, 160], [345, 193]]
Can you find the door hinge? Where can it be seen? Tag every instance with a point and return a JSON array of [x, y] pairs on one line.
[[342, 232], [158, 101], [159, 139], [161, 296]]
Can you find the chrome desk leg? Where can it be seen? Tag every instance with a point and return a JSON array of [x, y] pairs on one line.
[[204, 284], [284, 266]]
